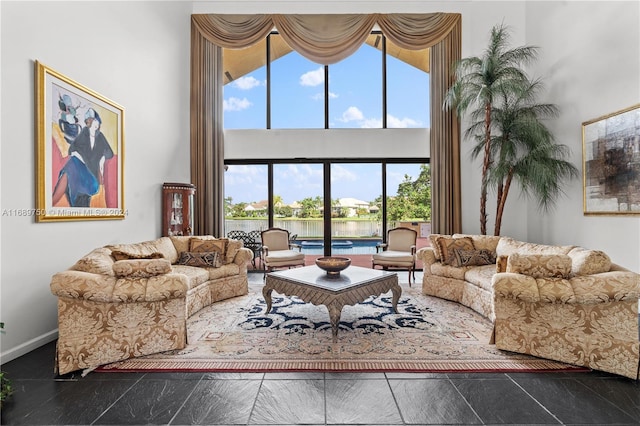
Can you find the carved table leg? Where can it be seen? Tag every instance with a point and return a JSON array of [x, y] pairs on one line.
[[266, 293], [397, 291], [335, 309]]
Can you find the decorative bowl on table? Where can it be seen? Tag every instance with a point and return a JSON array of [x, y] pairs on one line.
[[333, 265]]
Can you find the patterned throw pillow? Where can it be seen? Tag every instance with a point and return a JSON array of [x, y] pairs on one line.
[[447, 245], [200, 245], [124, 255], [141, 268], [540, 265], [473, 257], [202, 259]]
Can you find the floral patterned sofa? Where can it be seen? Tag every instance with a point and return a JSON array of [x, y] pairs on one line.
[[128, 300], [565, 303]]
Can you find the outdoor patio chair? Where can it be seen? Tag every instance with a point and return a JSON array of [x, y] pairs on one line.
[[277, 251], [398, 252]]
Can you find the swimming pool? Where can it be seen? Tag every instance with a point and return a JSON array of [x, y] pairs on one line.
[[353, 246]]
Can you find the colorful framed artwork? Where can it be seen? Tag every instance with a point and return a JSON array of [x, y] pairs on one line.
[[79, 151], [611, 163]]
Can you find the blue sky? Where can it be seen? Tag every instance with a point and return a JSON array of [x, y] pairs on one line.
[[297, 101]]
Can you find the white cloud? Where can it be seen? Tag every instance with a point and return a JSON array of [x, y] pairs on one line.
[[320, 96], [400, 123], [371, 123], [312, 78], [246, 83], [342, 174], [236, 104], [352, 114]]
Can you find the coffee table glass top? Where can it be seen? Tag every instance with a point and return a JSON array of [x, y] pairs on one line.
[[350, 277]]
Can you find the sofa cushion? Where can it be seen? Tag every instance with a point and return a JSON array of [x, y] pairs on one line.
[[540, 265], [480, 276], [447, 245], [98, 261], [508, 245], [228, 270], [201, 259], [141, 268], [449, 271], [195, 275], [588, 262], [473, 257]]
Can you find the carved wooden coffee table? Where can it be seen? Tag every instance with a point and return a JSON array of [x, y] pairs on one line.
[[312, 285]]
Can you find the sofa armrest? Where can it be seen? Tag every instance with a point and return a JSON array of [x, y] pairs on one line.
[[586, 289], [108, 289], [509, 285], [428, 257]]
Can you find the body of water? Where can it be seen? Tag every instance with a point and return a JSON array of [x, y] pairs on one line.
[[340, 247]]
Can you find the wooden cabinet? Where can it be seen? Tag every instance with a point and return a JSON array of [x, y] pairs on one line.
[[177, 208]]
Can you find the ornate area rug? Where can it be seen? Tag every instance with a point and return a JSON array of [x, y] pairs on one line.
[[427, 335]]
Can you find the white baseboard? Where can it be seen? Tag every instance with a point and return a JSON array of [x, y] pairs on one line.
[[27, 347]]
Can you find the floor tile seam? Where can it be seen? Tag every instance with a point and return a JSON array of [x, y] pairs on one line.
[[607, 400], [117, 399], [255, 400], [534, 399], [395, 399], [466, 401], [184, 402]]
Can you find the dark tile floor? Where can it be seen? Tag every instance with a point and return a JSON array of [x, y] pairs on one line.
[[575, 398]]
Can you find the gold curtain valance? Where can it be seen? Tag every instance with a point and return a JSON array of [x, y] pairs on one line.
[[326, 39]]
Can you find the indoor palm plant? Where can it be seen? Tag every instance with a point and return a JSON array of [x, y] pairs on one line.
[[507, 125]]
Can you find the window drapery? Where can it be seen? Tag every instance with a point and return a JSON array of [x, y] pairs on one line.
[[325, 39]]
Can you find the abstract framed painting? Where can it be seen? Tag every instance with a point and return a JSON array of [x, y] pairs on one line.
[[611, 163], [79, 151]]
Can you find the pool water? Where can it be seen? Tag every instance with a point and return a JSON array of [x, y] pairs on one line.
[[340, 246]]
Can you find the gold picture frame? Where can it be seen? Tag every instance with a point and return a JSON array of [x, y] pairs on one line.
[[79, 151], [611, 163]]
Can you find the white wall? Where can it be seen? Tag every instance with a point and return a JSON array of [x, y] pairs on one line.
[[590, 59], [330, 143], [135, 53]]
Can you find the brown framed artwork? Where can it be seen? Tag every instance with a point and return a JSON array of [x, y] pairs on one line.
[[79, 151], [611, 163]]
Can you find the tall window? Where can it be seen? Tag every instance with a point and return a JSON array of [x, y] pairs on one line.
[[297, 90], [245, 89], [355, 89], [381, 85]]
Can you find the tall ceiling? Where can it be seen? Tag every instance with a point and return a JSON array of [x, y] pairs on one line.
[[240, 62]]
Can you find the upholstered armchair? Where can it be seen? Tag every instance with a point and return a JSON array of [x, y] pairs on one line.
[[277, 250], [398, 252]]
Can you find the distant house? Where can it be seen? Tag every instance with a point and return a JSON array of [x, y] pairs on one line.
[[350, 206]]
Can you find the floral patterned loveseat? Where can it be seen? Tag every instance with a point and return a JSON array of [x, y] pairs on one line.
[[128, 300], [565, 303]]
